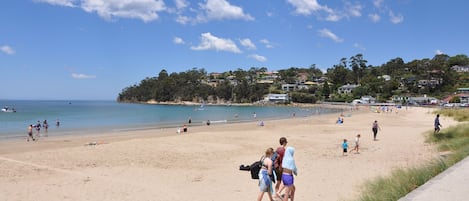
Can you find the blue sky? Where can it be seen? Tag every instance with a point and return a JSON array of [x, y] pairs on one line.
[[92, 49]]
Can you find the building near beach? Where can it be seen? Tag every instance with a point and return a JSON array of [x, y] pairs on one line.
[[277, 98]]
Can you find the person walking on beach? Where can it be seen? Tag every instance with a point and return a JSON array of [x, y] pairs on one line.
[[265, 181], [30, 133], [289, 169], [278, 164], [375, 128], [357, 144], [344, 147], [437, 124]]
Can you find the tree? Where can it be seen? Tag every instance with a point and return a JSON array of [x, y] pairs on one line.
[[358, 65], [339, 75], [288, 75], [326, 91], [460, 60]]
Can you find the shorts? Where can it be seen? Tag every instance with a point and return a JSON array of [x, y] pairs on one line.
[[345, 150], [264, 181], [287, 179], [263, 186]]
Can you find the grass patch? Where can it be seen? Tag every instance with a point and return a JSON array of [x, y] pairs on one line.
[[454, 140], [460, 114]]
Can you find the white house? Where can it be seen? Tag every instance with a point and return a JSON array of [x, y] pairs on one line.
[[277, 98], [346, 89], [460, 69], [289, 87]]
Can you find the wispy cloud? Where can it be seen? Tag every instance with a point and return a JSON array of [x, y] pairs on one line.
[[258, 57], [374, 17], [310, 7], [181, 4], [178, 40], [438, 52], [67, 3], [247, 43], [326, 33], [145, 10], [7, 50], [267, 43], [378, 3], [82, 76], [395, 19], [211, 42], [212, 10], [359, 46], [353, 10]]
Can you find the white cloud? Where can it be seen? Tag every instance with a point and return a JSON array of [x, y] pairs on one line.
[[181, 4], [145, 10], [308, 7], [67, 3], [210, 42], [438, 52], [183, 19], [266, 43], [247, 43], [378, 3], [396, 19], [374, 17], [258, 57], [326, 33], [178, 40], [353, 10], [7, 50], [222, 9], [82, 76]]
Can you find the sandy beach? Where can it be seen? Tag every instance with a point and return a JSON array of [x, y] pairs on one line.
[[203, 164]]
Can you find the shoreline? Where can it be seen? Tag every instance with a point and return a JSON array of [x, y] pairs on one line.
[[142, 165], [63, 130], [85, 136]]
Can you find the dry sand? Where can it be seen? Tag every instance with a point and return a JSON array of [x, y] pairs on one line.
[[203, 165]]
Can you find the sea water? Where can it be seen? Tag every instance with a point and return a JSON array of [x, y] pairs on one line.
[[81, 117]]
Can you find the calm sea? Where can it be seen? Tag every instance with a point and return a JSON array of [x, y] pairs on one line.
[[81, 117]]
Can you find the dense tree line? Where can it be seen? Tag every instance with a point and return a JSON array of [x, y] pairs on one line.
[[192, 86], [395, 77]]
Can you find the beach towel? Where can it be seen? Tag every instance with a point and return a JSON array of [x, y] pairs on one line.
[[288, 160]]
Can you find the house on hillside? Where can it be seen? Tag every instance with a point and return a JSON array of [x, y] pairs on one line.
[[385, 77], [289, 87], [460, 69], [463, 90], [347, 89]]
